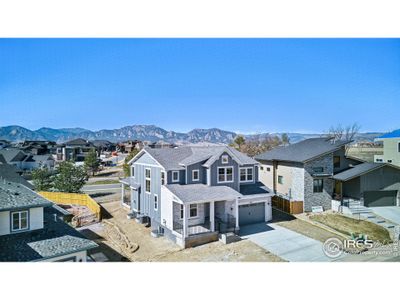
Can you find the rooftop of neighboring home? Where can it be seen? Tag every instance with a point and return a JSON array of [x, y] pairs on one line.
[[13, 155], [101, 143], [179, 157], [79, 142], [303, 151], [42, 158], [56, 239], [15, 195], [390, 135], [359, 170], [10, 173]]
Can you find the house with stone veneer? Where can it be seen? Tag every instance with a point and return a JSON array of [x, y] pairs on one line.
[[191, 194], [318, 173], [33, 228]]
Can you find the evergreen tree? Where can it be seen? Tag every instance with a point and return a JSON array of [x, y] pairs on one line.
[[70, 178], [126, 166], [42, 179], [92, 164]]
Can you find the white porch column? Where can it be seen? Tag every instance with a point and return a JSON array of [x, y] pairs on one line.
[[122, 192], [212, 216], [237, 213], [185, 221]]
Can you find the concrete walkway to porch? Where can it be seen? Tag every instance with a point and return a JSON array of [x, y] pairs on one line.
[[285, 243]]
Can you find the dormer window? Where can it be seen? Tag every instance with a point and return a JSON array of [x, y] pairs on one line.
[[19, 220], [175, 176], [195, 175], [225, 159]]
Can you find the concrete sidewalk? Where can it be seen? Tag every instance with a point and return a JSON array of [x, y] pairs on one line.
[[285, 243]]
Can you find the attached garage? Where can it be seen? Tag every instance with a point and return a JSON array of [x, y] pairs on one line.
[[380, 198], [251, 213]]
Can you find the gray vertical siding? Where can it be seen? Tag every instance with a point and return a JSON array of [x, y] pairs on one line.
[[147, 200], [231, 163], [202, 173], [182, 179]]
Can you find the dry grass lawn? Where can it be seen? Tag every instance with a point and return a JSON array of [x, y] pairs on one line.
[[349, 226]]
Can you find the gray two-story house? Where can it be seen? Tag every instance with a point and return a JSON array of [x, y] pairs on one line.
[[190, 194], [314, 172]]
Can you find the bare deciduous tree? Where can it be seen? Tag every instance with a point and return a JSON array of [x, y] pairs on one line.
[[347, 133]]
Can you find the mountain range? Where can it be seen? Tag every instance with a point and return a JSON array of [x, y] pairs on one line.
[[145, 133]]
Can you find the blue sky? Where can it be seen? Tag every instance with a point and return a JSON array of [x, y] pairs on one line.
[[244, 85]]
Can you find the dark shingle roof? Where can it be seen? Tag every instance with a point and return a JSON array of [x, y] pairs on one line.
[[358, 170], [9, 173], [254, 189], [302, 151], [200, 192], [15, 195], [179, 157], [56, 239]]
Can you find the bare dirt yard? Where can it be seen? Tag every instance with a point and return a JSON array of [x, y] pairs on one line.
[[138, 245]]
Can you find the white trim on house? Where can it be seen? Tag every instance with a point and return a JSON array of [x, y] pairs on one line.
[[226, 175], [198, 175], [172, 176], [246, 174], [225, 159], [19, 213]]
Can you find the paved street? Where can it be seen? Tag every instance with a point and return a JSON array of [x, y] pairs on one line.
[[285, 243], [101, 187]]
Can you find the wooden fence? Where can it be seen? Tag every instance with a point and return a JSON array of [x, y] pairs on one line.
[[291, 207], [73, 199]]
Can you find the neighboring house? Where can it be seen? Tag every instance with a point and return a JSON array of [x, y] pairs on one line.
[[25, 161], [32, 228], [190, 194], [373, 184], [74, 150], [301, 174], [36, 147], [4, 144], [10, 173], [104, 146], [391, 148], [129, 146]]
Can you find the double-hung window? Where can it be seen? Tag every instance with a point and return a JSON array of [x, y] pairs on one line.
[[175, 176], [195, 175], [155, 202], [148, 180], [246, 174], [162, 178], [318, 185], [193, 211], [225, 174], [19, 220], [181, 211]]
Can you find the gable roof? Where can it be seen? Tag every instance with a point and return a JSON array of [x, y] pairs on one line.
[[390, 135], [302, 151], [78, 142], [179, 157], [359, 170], [13, 155]]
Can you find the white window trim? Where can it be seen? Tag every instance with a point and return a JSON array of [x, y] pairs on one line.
[[172, 174], [278, 179], [227, 167], [181, 213], [246, 168], [156, 196], [145, 179], [12, 223], [227, 159], [198, 175]]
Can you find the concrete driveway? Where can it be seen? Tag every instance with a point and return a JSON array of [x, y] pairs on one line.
[[287, 244], [390, 213]]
